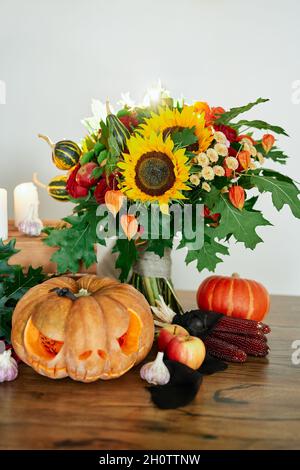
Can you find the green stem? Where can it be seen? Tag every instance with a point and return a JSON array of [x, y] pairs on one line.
[[148, 288]]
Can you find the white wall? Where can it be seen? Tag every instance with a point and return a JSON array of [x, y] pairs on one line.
[[55, 55]]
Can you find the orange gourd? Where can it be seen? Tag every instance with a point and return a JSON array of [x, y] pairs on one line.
[[234, 296], [87, 329]]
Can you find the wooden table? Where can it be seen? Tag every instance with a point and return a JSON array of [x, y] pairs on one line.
[[33, 251], [251, 406]]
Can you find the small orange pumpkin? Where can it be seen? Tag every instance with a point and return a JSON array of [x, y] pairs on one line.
[[234, 296], [87, 329]]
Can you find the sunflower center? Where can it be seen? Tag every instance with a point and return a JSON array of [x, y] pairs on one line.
[[171, 130], [154, 173]]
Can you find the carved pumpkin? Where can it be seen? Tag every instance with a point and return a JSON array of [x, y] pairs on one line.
[[89, 329], [234, 296]]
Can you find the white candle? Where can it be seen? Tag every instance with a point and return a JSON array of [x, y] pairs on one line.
[[25, 196], [3, 215]]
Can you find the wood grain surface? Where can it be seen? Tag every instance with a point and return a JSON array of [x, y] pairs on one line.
[[251, 406], [33, 251]]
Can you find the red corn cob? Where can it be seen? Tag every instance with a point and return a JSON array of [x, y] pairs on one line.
[[228, 352], [252, 346], [241, 326], [265, 328]]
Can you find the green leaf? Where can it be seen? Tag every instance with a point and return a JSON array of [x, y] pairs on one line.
[[102, 156], [21, 283], [274, 154], [5, 322], [211, 198], [76, 243], [159, 246], [276, 174], [241, 224], [104, 133], [277, 155], [6, 252], [113, 146], [97, 172], [207, 256], [185, 137], [99, 147], [225, 118], [127, 256], [258, 124], [283, 191], [14, 283], [250, 203]]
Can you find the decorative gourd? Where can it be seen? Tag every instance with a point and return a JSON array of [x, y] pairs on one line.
[[234, 296], [87, 329], [65, 153], [116, 128], [57, 188]]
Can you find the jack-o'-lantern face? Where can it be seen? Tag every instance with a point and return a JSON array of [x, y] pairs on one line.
[[88, 329]]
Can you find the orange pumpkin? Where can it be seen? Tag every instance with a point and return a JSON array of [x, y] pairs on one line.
[[87, 329], [234, 296]]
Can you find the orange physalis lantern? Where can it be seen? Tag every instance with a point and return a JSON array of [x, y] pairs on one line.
[[237, 196], [267, 142]]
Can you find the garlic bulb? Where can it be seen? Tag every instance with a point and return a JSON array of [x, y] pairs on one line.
[[156, 372], [31, 225], [8, 367]]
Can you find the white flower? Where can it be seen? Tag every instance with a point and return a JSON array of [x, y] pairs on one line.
[[203, 159], [194, 179], [212, 155], [99, 114], [232, 163], [219, 170], [260, 158], [221, 149], [208, 173], [155, 94], [220, 137], [252, 166], [206, 187], [126, 101]]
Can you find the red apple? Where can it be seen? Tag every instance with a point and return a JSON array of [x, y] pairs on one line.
[[84, 175], [167, 333], [188, 350]]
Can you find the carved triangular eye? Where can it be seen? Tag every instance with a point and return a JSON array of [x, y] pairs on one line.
[[130, 341], [40, 344], [51, 345]]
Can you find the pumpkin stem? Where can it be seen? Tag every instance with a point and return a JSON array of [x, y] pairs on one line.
[[64, 292], [235, 275], [108, 110], [37, 182], [82, 293], [46, 139]]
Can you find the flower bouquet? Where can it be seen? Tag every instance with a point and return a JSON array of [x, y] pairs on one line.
[[160, 170]]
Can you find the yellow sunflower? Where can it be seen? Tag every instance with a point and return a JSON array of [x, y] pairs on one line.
[[153, 171], [170, 120]]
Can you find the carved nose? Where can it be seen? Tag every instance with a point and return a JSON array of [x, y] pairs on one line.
[[85, 355], [102, 353]]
